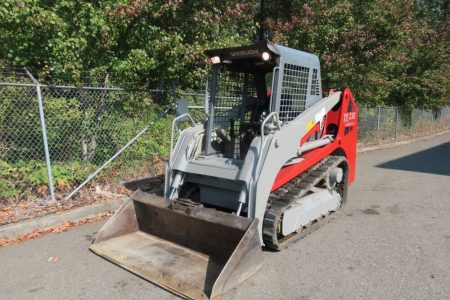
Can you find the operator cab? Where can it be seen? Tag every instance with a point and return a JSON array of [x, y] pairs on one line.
[[240, 97], [253, 91], [245, 87]]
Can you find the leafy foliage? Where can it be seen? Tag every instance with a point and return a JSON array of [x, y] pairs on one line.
[[391, 52], [137, 39], [25, 179], [388, 52]]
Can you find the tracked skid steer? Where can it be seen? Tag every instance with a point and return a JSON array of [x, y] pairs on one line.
[[272, 159]]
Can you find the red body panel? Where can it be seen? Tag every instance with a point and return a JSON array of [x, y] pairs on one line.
[[346, 120]]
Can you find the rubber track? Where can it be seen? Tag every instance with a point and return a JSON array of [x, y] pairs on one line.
[[282, 198]]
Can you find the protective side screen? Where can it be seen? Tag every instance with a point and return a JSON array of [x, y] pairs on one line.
[[294, 88], [315, 88]]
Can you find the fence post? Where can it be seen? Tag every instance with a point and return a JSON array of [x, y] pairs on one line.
[[396, 122], [378, 122], [44, 135], [422, 123], [432, 120]]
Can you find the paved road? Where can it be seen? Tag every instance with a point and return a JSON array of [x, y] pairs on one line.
[[392, 241]]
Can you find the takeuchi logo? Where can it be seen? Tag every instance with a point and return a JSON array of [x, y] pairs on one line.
[[244, 52]]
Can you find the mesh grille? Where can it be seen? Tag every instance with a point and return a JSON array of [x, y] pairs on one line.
[[315, 84], [293, 91], [229, 112]]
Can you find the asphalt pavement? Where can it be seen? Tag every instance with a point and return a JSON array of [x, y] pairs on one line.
[[391, 241]]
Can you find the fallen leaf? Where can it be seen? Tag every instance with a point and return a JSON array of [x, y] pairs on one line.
[[54, 259], [122, 190], [53, 229], [61, 184], [4, 214]]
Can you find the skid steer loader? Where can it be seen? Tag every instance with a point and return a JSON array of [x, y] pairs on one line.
[[271, 160]]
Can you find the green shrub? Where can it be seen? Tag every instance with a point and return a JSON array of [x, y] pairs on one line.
[[28, 179]]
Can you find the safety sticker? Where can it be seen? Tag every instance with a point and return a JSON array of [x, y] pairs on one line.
[[310, 124]]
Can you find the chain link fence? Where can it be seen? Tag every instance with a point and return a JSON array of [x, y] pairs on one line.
[[52, 137], [383, 124], [83, 126]]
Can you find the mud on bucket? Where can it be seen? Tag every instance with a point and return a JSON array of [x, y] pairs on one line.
[[197, 253]]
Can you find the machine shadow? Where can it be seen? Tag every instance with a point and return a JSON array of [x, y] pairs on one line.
[[145, 184], [434, 160]]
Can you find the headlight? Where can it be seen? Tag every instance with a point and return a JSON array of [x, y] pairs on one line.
[[215, 60], [265, 56]]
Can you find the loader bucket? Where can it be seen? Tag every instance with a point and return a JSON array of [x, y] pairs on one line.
[[196, 253]]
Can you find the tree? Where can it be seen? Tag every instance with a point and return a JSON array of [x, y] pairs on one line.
[[386, 51]]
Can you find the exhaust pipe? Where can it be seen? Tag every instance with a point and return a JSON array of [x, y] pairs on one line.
[[192, 251]]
